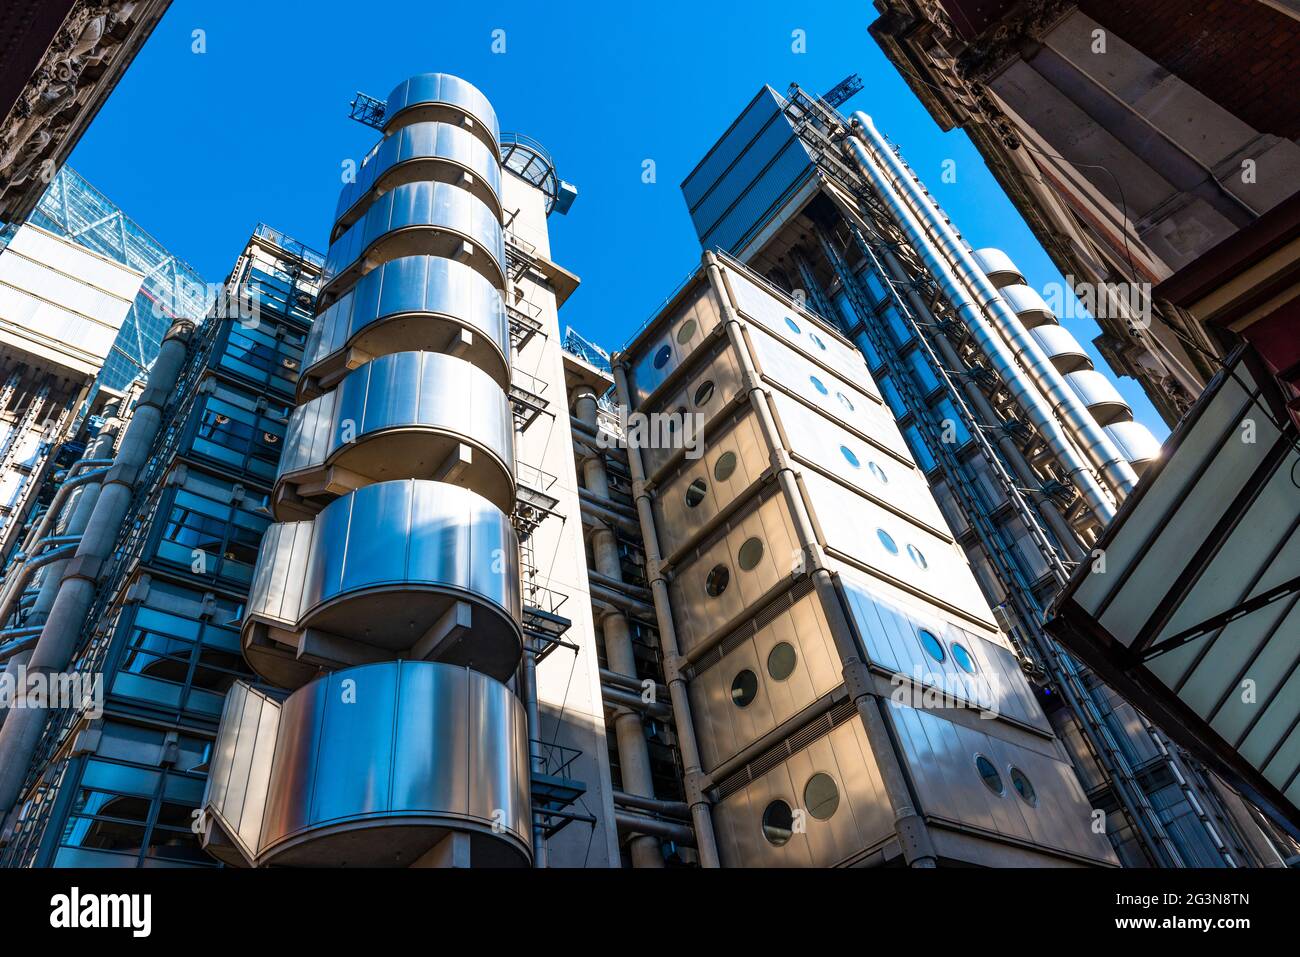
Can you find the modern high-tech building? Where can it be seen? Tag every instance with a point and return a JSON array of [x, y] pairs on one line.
[[382, 569], [1027, 449], [839, 681], [409, 391]]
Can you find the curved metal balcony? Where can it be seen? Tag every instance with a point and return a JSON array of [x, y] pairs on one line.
[[376, 766], [415, 303], [998, 266], [1060, 346], [422, 152], [1136, 443], [418, 219], [441, 97], [1099, 395], [421, 415], [1028, 305], [403, 569]]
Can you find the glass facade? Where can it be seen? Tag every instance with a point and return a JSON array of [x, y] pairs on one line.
[[73, 208], [124, 791]]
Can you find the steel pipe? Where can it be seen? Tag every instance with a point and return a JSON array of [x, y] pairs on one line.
[[1080, 424], [654, 827], [1034, 405], [701, 817], [678, 809], [61, 634]]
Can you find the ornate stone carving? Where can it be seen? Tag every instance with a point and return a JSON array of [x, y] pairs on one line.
[[85, 49]]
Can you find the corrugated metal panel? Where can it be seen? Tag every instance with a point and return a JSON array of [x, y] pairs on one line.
[[759, 198], [762, 110]]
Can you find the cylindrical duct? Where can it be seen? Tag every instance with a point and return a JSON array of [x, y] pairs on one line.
[[1035, 407], [1096, 446]]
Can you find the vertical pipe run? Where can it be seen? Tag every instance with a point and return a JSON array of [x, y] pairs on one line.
[[629, 732], [61, 634], [701, 818], [1079, 422], [1027, 398]]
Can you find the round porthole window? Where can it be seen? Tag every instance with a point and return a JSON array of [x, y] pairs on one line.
[[878, 472], [821, 797], [744, 687], [917, 557], [844, 400], [725, 465], [704, 393], [988, 774], [695, 492], [1024, 787], [887, 541], [794, 326], [963, 658], [817, 339], [819, 385], [662, 356], [849, 456], [778, 823], [751, 552], [932, 645], [687, 332], [717, 581], [781, 661]]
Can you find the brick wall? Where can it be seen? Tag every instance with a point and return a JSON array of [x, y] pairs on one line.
[[1243, 55]]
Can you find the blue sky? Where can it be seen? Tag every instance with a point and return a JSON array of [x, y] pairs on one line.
[[200, 147]]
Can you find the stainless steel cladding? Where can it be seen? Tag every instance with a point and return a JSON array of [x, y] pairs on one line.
[[809, 575], [1028, 305], [416, 302], [402, 415], [400, 577], [1059, 345], [693, 323], [761, 677], [753, 554], [422, 151], [371, 767], [424, 218], [832, 788], [387, 568], [1136, 443], [442, 97], [998, 266], [1099, 396]]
